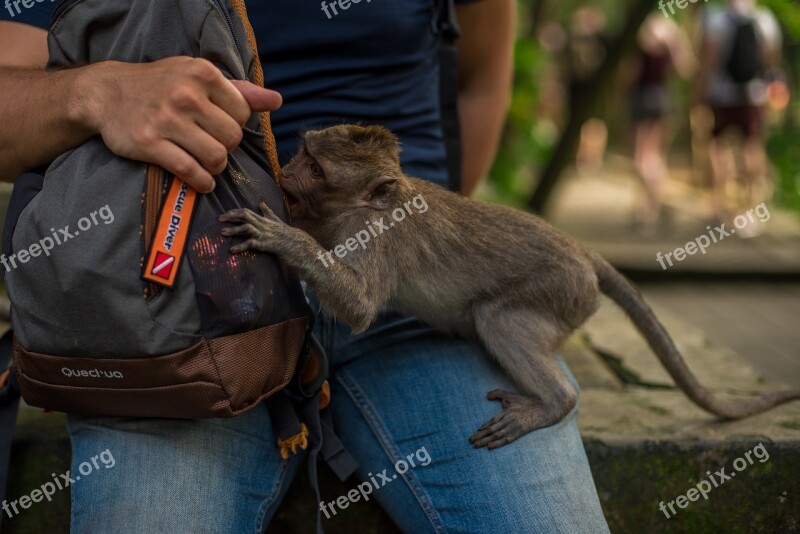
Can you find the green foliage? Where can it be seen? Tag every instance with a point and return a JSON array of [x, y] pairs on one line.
[[788, 13], [784, 155], [527, 141]]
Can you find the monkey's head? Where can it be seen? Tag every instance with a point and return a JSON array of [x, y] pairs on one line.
[[342, 170]]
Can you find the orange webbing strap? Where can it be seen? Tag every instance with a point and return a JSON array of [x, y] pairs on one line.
[[310, 373], [266, 128], [299, 440], [171, 236]]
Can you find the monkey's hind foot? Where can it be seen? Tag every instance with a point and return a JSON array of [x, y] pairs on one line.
[[517, 419]]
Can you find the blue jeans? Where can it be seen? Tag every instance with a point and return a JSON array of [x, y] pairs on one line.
[[398, 389]]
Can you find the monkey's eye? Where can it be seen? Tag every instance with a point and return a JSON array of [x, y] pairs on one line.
[[316, 170]]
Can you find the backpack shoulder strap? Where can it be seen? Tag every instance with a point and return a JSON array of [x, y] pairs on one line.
[[445, 26], [445, 22], [26, 187], [258, 74]]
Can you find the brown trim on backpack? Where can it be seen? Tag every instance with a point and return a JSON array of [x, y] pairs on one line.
[[220, 377], [258, 74]]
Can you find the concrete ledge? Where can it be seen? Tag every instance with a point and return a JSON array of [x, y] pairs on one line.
[[650, 407], [647, 443], [634, 477]]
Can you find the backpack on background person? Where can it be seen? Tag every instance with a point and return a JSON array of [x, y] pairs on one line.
[[744, 62]]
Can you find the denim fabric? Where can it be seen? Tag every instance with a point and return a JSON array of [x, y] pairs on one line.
[[397, 388]]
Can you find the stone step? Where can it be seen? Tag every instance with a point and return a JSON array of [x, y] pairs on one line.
[[647, 443]]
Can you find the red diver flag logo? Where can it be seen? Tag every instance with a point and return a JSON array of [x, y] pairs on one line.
[[163, 265]]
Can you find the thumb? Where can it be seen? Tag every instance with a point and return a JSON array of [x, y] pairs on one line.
[[258, 98]]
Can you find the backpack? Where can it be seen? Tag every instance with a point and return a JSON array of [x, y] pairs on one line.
[[133, 306], [744, 62]]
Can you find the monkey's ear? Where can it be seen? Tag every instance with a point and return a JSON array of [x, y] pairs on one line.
[[378, 192]]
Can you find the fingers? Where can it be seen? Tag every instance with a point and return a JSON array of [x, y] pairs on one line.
[[238, 215], [503, 396], [495, 394], [180, 163], [220, 125], [258, 98], [244, 229], [503, 440], [492, 424], [223, 93], [208, 151], [496, 433], [241, 247], [267, 212]]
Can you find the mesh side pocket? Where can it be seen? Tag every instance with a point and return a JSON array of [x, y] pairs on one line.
[[239, 292]]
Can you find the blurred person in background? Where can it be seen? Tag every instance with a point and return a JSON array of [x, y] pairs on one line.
[[662, 48], [586, 51], [740, 45]]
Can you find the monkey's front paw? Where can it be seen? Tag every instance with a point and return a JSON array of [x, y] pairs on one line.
[[514, 421], [262, 232]]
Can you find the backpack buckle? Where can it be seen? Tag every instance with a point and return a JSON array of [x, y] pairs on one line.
[[298, 440]]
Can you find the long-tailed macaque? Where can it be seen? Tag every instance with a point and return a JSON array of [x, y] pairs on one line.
[[496, 275]]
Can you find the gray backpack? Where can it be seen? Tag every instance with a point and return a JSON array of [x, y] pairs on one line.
[[125, 299]]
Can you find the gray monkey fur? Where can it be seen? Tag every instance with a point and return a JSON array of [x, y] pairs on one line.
[[499, 276]]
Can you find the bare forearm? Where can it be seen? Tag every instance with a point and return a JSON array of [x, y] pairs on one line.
[[482, 118], [485, 69], [180, 113], [40, 117]]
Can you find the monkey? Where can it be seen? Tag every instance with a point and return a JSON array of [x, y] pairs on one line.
[[500, 277]]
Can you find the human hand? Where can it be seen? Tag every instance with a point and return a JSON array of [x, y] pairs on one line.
[[180, 113]]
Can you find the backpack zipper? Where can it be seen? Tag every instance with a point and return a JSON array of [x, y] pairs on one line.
[[221, 8], [154, 191], [61, 7]]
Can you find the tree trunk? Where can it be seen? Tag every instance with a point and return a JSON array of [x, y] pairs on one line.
[[587, 97]]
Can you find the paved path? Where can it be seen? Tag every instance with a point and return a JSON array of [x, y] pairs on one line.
[[598, 210], [760, 322]]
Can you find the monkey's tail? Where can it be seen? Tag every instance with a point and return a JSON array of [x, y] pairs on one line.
[[621, 291]]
